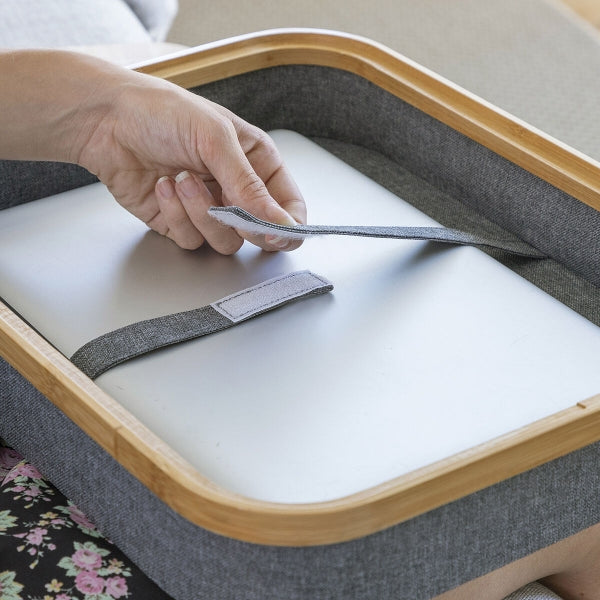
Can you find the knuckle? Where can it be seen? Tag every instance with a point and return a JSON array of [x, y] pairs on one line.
[[249, 185], [261, 139], [219, 129], [192, 244], [230, 247], [260, 143], [186, 242]]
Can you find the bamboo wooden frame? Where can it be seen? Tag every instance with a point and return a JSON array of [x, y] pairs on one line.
[[176, 482]]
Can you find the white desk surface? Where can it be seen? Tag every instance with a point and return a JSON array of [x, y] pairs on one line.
[[420, 352]]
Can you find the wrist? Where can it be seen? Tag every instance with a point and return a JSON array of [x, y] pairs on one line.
[[55, 102]]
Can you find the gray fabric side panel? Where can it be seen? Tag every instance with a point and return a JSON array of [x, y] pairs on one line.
[[238, 218], [329, 103], [417, 559], [24, 181]]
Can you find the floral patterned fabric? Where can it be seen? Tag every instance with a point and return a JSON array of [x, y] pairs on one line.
[[49, 550]]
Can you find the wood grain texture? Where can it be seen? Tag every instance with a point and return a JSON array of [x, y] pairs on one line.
[[196, 498], [586, 9]]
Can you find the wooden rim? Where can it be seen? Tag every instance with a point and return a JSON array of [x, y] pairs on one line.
[[196, 498], [550, 159]]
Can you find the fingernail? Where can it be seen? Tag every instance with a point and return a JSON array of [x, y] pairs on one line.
[[276, 214], [187, 184], [165, 187], [277, 241]]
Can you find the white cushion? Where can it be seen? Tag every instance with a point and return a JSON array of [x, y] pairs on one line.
[[59, 23]]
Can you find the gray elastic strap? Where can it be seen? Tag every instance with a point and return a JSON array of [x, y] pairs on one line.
[[236, 217], [120, 345]]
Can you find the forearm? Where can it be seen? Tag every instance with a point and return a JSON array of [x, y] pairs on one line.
[[51, 102]]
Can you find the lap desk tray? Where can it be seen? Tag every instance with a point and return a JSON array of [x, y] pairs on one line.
[[432, 418]]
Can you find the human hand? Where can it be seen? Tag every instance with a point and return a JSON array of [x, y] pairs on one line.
[[168, 155]]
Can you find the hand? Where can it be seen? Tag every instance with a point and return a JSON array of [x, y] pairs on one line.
[[168, 155]]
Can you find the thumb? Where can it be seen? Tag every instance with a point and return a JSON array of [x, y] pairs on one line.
[[252, 195], [242, 186]]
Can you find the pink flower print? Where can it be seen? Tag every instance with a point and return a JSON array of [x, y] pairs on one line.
[[27, 470], [63, 597], [89, 583], [36, 536], [33, 491], [87, 559], [116, 587], [51, 547], [18, 488], [79, 518]]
